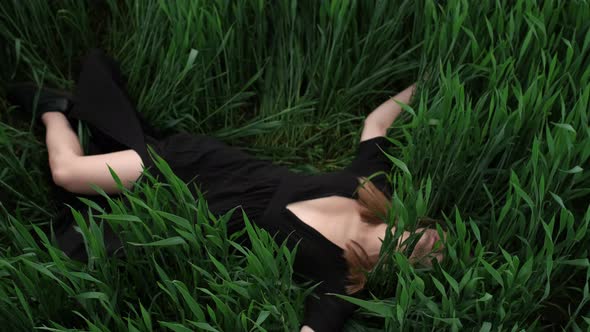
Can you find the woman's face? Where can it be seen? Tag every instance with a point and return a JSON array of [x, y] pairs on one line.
[[429, 246]]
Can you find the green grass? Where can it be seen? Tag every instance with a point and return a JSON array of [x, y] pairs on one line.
[[496, 144]]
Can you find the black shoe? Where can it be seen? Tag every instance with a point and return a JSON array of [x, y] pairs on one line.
[[38, 100]]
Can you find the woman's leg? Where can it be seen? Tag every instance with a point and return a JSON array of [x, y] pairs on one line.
[[75, 172]]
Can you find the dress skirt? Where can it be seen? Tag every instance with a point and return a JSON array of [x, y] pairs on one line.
[[227, 176]]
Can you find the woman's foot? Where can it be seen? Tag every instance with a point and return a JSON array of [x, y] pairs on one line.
[[39, 100], [50, 115]]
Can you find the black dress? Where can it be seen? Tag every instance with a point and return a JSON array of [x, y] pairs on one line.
[[228, 177]]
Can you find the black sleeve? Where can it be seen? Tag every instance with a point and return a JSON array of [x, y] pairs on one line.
[[327, 313], [370, 159]]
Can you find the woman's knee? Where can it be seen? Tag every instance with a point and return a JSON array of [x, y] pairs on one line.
[[59, 172]]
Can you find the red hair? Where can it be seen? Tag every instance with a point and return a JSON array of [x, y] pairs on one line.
[[374, 209]]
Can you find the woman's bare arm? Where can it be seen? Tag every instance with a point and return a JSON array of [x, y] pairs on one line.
[[306, 328], [381, 118]]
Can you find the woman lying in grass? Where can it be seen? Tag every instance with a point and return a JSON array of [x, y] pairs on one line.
[[337, 218]]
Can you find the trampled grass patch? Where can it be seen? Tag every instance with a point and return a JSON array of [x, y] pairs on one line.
[[496, 144]]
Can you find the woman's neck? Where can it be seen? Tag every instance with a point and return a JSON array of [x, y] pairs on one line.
[[371, 236]]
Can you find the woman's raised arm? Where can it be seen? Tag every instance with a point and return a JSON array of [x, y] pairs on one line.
[[381, 118]]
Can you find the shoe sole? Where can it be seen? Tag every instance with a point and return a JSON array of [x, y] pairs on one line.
[[36, 88]]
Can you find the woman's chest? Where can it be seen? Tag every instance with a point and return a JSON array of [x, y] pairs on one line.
[[334, 217], [319, 253], [296, 189]]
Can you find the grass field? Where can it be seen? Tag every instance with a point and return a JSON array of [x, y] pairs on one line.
[[496, 144]]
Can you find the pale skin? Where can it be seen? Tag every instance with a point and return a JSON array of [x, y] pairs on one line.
[[74, 171], [339, 216]]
